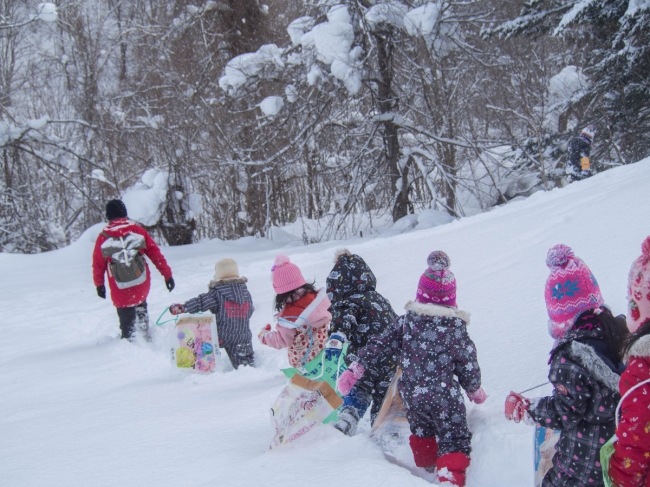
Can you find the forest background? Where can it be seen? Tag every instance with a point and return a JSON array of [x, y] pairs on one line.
[[229, 118]]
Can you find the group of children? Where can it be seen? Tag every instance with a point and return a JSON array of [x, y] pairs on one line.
[[593, 356], [430, 344]]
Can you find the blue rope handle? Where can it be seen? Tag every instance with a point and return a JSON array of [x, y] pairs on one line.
[[174, 319]]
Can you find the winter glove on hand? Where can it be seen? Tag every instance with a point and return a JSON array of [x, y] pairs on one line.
[[101, 291], [334, 345], [478, 396], [177, 309], [347, 379], [516, 407], [262, 334], [170, 284]]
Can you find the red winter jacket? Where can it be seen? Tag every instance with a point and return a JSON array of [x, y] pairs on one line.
[[630, 463], [132, 296]]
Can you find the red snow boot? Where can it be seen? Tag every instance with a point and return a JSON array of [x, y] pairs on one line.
[[452, 467], [425, 451]]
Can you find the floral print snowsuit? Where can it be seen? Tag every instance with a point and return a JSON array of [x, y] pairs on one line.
[[585, 396], [437, 358], [630, 463]]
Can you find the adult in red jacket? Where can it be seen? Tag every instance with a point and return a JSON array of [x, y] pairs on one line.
[[119, 252], [630, 463]]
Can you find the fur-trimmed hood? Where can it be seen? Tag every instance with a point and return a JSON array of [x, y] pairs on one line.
[[340, 252], [436, 310], [230, 280], [590, 360], [640, 348]]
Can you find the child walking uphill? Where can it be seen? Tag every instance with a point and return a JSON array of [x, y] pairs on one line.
[[228, 298], [630, 464], [432, 345], [359, 312], [585, 367], [302, 314]]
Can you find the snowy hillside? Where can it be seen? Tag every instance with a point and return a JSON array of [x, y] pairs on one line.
[[81, 408]]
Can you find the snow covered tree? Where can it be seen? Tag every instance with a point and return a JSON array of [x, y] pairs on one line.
[[610, 44]]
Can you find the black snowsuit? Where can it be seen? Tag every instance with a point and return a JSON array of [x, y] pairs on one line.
[[360, 312], [232, 305], [577, 148], [437, 358], [585, 376]]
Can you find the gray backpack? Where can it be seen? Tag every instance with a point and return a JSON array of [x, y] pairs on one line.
[[126, 264]]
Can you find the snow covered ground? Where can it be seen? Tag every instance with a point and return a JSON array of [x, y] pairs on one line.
[[78, 407]]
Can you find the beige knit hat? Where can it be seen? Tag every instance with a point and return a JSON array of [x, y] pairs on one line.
[[225, 269]]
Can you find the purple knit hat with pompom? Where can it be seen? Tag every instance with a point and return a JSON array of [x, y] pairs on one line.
[[437, 285], [571, 289]]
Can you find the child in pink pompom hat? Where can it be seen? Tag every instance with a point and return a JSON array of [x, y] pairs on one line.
[[438, 360], [303, 315], [437, 284], [571, 289], [585, 369]]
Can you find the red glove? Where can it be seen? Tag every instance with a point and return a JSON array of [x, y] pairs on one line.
[[516, 407], [263, 332], [478, 396], [177, 309], [347, 379]]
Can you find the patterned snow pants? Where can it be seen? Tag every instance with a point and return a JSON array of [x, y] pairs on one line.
[[446, 419]]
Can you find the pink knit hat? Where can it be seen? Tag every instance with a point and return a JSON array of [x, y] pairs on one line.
[[285, 275], [638, 289], [571, 289], [437, 285]]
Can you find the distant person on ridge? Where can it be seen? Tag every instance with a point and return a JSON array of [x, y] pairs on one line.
[[119, 252], [578, 166]]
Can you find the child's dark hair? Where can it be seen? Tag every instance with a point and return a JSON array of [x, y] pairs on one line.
[[631, 339], [281, 299], [616, 332]]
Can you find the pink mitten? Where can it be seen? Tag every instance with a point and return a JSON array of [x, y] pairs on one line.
[[478, 396], [350, 377], [516, 407], [177, 309], [262, 334]]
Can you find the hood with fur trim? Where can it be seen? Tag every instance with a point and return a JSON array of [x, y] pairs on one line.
[[229, 280], [596, 366], [640, 348], [437, 310]]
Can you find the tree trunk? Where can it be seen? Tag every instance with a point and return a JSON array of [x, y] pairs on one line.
[[387, 102]]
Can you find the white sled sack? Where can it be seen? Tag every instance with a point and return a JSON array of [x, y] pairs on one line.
[[301, 405], [391, 426]]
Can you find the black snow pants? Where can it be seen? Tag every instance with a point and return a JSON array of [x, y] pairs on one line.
[[132, 319]]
